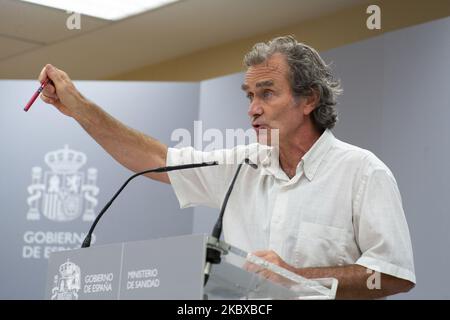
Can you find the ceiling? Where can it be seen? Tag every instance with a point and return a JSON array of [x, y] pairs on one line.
[[33, 35]]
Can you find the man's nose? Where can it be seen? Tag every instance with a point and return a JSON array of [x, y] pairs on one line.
[[255, 109]]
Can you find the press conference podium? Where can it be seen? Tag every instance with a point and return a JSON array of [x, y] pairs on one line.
[[173, 268]]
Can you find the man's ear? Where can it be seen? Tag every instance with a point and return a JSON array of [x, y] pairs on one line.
[[310, 102]]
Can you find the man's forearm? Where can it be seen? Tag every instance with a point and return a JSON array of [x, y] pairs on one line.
[[355, 282], [131, 148]]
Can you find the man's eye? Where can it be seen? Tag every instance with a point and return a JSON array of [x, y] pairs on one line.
[[267, 94], [250, 97]]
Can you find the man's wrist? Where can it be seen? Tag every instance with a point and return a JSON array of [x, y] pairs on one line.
[[83, 113]]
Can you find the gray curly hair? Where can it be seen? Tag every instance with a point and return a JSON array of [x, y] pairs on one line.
[[307, 72]]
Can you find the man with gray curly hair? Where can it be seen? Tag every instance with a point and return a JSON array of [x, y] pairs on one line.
[[348, 220], [306, 72], [316, 206]]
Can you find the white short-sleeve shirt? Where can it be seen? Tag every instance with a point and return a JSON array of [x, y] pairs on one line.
[[342, 207]]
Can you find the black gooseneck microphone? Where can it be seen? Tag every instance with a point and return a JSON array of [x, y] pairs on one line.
[[213, 251], [87, 239]]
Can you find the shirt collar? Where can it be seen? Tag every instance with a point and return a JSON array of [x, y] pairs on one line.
[[313, 158], [309, 163]]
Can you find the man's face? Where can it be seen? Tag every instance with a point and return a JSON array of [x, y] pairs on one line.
[[272, 104]]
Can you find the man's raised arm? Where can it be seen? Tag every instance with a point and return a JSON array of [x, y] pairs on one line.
[[131, 148]]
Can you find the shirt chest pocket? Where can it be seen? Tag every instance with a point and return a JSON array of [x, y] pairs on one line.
[[320, 245]]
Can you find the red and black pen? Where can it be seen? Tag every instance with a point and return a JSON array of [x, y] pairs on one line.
[[36, 94]]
